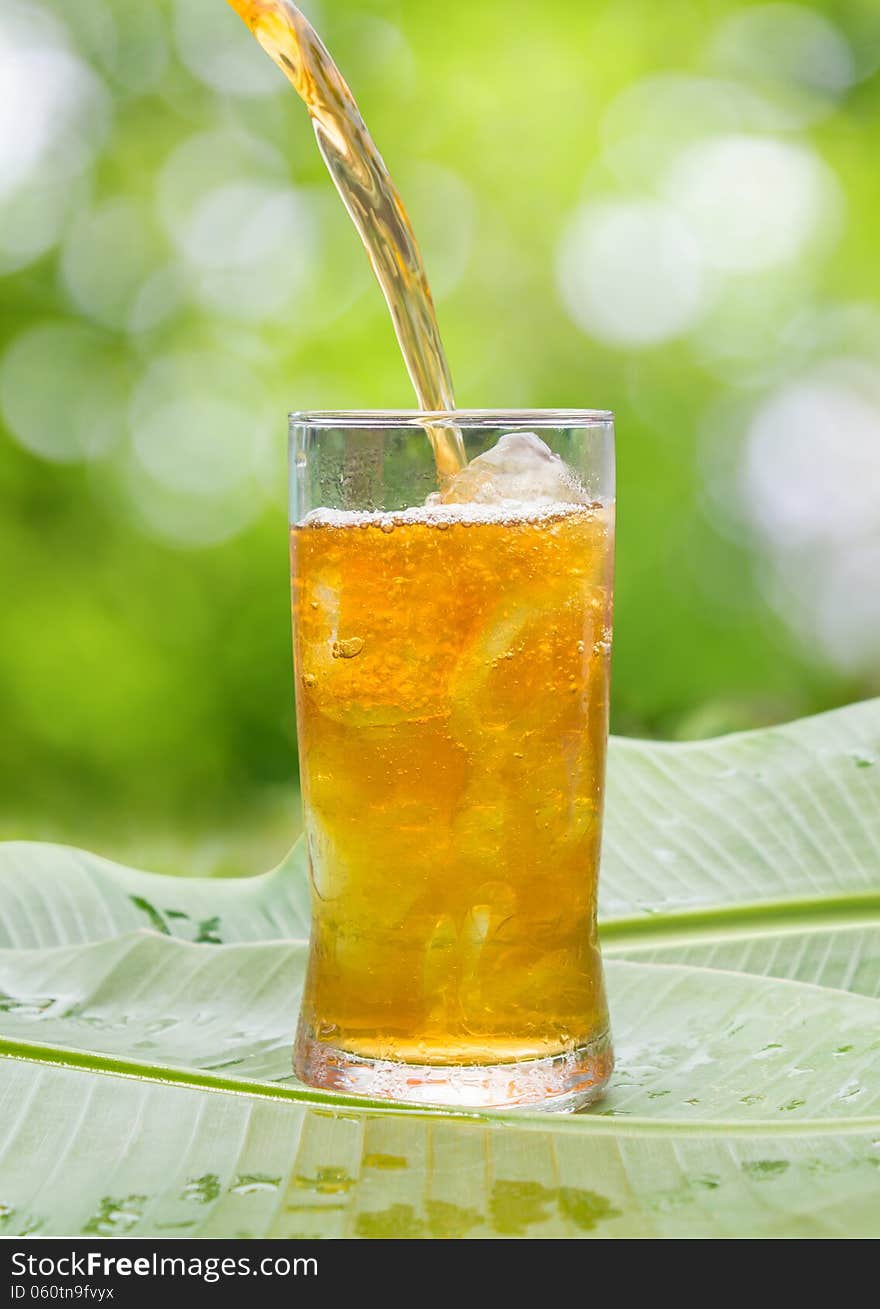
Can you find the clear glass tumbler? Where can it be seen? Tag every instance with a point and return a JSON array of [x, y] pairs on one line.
[[452, 667]]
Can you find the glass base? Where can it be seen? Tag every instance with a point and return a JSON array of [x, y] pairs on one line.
[[559, 1083]]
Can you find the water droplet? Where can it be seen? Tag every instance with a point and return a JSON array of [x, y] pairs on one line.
[[763, 1169], [250, 1183], [115, 1217], [849, 1092], [156, 1025], [327, 1181], [32, 1008], [348, 648], [309, 679], [204, 1189]]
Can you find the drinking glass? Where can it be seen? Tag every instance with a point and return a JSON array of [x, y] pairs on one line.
[[452, 679]]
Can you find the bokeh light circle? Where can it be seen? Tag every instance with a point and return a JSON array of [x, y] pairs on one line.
[[64, 392], [753, 202], [107, 256], [213, 46], [629, 272], [793, 52], [252, 246], [53, 109], [808, 485], [812, 459], [195, 421], [246, 236]]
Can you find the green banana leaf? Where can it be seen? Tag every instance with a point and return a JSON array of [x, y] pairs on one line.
[[146, 1025]]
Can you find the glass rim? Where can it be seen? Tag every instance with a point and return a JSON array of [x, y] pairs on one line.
[[473, 418]]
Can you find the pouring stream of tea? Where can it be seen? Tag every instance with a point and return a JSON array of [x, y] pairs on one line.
[[373, 202]]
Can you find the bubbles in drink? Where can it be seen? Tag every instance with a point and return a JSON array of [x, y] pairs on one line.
[[452, 777], [350, 648]]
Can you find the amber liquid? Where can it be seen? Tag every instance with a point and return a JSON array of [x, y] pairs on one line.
[[373, 202], [452, 692]]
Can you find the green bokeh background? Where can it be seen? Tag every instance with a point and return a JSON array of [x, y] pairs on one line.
[[145, 692]]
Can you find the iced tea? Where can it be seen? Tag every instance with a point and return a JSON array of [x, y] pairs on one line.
[[452, 688]]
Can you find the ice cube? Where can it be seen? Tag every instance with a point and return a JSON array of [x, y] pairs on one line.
[[519, 467]]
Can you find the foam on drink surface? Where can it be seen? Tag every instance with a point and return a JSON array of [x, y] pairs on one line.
[[509, 512]]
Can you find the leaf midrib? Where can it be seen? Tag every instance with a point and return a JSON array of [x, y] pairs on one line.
[[690, 927], [610, 1125]]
